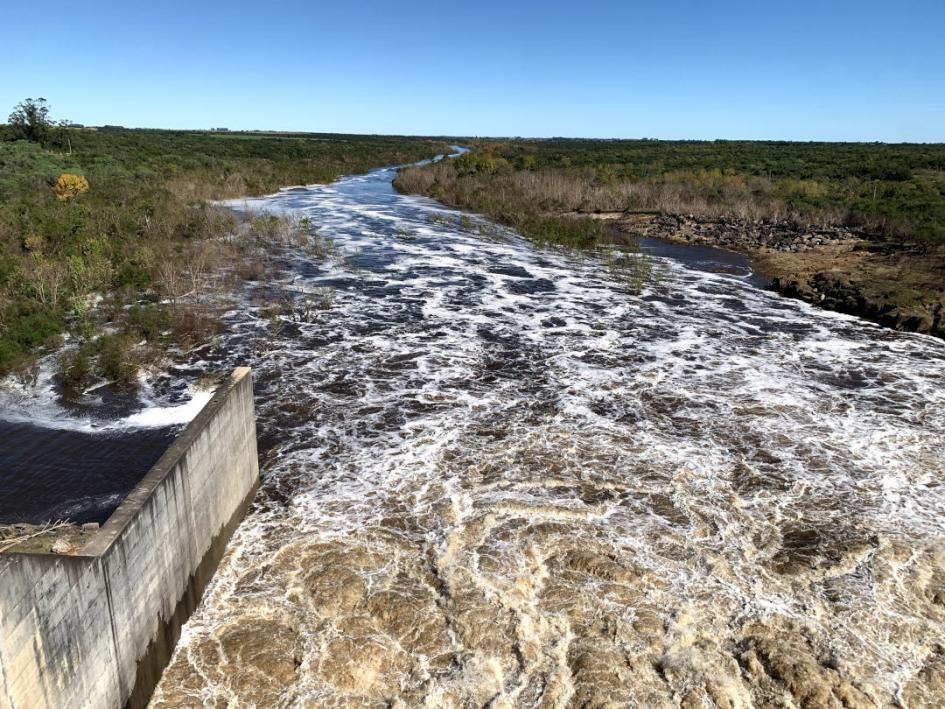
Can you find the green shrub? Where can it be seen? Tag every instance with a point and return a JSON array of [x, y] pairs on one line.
[[75, 369], [149, 321], [566, 231], [132, 275], [26, 326], [29, 325], [116, 361]]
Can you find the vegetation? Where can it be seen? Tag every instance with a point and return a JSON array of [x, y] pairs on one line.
[[488, 183], [123, 218], [29, 120], [891, 191], [850, 226]]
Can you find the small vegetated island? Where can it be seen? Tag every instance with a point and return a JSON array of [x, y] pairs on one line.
[[104, 230], [855, 227]]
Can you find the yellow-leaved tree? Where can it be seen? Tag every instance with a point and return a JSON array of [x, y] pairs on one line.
[[69, 185]]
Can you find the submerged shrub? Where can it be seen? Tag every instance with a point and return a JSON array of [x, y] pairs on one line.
[[149, 321], [75, 369], [112, 357], [326, 297], [194, 325], [116, 361], [566, 231]]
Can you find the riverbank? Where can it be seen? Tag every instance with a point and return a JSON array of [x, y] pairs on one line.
[[93, 238], [900, 285], [852, 227]]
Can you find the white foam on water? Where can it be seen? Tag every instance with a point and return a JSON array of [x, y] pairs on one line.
[[163, 416], [552, 473], [39, 403]]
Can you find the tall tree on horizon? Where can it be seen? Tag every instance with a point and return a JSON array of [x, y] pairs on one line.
[[30, 120]]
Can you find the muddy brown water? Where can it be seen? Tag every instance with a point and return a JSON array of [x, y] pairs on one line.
[[496, 476]]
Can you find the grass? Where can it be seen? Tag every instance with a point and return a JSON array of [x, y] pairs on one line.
[[471, 181]]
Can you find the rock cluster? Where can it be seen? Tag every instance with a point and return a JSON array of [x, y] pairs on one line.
[[744, 234], [837, 268]]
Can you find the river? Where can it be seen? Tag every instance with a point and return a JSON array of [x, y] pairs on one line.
[[495, 475]]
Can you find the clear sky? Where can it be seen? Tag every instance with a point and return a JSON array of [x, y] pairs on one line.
[[800, 70]]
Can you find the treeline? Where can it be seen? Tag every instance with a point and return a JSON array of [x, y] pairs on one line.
[[124, 215], [889, 191]]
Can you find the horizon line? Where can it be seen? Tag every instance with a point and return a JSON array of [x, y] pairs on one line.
[[264, 131]]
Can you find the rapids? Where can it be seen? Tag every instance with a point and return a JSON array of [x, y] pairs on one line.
[[494, 475]]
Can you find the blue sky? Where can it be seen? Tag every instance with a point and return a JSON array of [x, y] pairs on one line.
[[827, 70]]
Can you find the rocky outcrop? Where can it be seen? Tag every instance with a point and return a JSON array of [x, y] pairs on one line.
[[742, 234], [898, 285], [845, 296]]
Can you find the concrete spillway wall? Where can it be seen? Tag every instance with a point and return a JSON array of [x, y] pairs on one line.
[[97, 628]]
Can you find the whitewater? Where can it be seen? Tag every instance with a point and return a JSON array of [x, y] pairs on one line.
[[497, 475]]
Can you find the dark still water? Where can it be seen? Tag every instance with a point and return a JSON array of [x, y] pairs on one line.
[[76, 461], [498, 476], [49, 474]]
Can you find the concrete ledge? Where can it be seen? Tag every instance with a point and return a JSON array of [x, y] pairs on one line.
[[97, 628]]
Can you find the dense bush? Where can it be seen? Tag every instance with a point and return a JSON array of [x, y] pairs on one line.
[[893, 191], [124, 211]]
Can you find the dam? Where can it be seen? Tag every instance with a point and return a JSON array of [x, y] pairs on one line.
[[96, 628]]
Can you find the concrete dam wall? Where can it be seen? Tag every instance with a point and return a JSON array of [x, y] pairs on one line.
[[96, 628]]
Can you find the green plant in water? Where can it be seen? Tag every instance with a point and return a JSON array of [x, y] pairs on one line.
[[322, 247], [268, 226], [75, 369], [633, 269], [326, 297], [116, 362]]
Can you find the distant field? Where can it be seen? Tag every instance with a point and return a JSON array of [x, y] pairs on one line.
[[642, 158]]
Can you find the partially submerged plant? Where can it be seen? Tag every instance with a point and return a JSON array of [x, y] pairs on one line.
[[633, 269]]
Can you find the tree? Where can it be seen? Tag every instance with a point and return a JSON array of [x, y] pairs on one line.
[[48, 279], [63, 139], [30, 120]]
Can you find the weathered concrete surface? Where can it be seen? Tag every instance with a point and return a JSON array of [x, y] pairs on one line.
[[95, 629]]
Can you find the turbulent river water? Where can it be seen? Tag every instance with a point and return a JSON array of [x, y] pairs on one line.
[[497, 476]]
